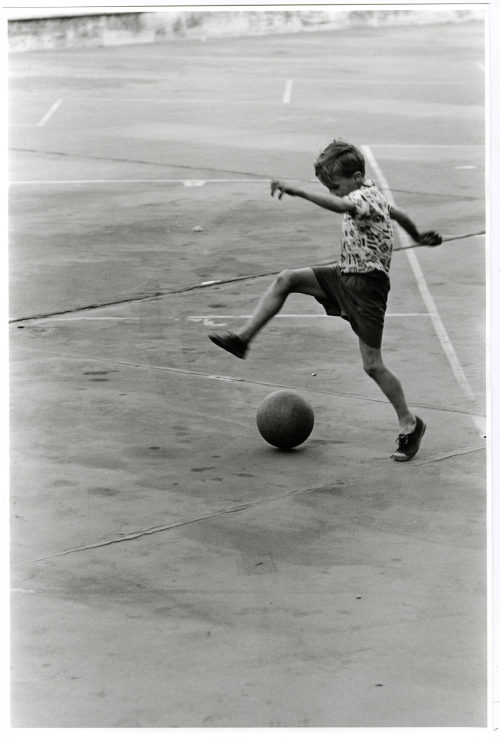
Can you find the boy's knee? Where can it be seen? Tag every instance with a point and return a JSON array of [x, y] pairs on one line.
[[374, 369], [372, 361], [284, 282]]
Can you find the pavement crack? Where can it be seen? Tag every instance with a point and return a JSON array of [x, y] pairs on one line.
[[83, 308], [139, 534], [126, 160], [450, 455], [228, 378], [239, 508], [265, 177], [205, 285], [162, 528]]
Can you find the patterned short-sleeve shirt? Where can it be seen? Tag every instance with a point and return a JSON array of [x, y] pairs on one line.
[[367, 236]]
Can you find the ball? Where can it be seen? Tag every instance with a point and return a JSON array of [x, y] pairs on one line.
[[285, 419]]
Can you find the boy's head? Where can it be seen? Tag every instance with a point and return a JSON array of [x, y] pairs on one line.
[[341, 168]]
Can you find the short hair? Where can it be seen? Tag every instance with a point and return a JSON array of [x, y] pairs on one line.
[[341, 159]]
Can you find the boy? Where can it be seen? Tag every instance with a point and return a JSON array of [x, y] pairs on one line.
[[357, 287]]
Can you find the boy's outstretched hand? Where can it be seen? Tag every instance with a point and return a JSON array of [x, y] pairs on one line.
[[282, 188], [430, 238]]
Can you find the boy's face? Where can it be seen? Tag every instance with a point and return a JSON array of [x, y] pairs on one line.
[[341, 186]]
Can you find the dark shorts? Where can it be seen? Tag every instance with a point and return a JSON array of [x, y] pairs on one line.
[[359, 298]]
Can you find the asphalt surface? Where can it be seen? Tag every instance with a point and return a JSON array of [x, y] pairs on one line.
[[169, 568]]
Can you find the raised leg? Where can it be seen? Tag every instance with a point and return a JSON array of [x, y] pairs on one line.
[[271, 302], [291, 280]]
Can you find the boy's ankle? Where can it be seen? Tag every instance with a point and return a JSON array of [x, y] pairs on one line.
[[408, 426]]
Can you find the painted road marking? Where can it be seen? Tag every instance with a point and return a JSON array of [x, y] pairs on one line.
[[287, 95], [480, 66], [50, 112], [298, 315], [200, 318], [185, 182], [214, 321], [438, 324], [84, 317]]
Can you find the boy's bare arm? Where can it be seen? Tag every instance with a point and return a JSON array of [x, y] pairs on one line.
[[405, 222], [429, 238], [330, 202]]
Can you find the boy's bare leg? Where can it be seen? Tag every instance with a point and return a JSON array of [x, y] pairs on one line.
[[271, 302], [390, 385], [268, 306]]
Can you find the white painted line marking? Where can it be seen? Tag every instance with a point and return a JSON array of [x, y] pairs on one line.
[[287, 95], [438, 324], [50, 112], [185, 182], [81, 317], [197, 318], [467, 166]]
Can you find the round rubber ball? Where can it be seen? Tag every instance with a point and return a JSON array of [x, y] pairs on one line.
[[285, 419]]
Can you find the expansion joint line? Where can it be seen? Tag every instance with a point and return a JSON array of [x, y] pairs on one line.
[[240, 508], [182, 371], [205, 285]]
